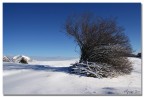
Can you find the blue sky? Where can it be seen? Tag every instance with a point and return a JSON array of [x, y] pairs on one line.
[[35, 29]]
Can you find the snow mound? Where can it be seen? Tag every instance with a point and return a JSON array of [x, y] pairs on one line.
[[6, 59], [19, 57]]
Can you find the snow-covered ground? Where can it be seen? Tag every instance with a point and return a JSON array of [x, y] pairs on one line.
[[53, 78]]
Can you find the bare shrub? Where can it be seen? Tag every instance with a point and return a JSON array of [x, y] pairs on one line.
[[101, 40], [23, 61]]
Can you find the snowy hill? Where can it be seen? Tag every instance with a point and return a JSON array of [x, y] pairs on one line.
[[19, 57], [53, 78]]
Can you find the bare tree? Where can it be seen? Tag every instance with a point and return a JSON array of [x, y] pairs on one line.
[[100, 39]]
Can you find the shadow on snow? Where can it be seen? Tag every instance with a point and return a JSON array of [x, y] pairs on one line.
[[35, 67]]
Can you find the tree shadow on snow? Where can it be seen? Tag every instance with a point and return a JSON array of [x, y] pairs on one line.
[[35, 67]]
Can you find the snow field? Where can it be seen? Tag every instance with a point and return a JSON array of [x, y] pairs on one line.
[[53, 78]]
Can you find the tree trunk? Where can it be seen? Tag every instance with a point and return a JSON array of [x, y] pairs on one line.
[[84, 55]]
